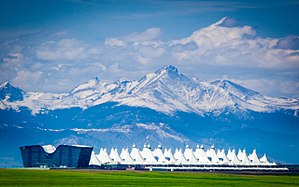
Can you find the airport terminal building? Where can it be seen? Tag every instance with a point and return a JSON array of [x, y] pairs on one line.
[[199, 159], [73, 156]]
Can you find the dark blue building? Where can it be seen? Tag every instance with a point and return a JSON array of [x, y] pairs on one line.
[[63, 156]]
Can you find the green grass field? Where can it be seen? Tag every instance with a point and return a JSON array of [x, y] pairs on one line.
[[25, 177]]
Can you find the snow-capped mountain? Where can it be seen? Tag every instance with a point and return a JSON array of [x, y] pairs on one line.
[[10, 93], [166, 90], [162, 107]]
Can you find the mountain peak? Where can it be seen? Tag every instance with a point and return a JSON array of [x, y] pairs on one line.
[[8, 85], [170, 68], [10, 92], [228, 22], [221, 21], [5, 84], [234, 87], [92, 84]]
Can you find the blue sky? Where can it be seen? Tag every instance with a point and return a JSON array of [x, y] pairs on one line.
[[56, 44]]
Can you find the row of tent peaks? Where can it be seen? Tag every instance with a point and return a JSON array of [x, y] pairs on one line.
[[199, 156]]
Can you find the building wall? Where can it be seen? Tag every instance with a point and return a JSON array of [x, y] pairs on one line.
[[64, 155]]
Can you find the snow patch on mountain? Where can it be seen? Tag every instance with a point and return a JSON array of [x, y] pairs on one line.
[[126, 129], [162, 133], [145, 132]]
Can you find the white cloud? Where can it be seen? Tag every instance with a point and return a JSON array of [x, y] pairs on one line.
[[115, 42], [27, 78], [65, 49], [289, 42], [262, 85], [142, 60], [223, 48], [290, 88], [215, 35], [10, 65], [146, 38], [148, 35], [151, 52], [236, 46]]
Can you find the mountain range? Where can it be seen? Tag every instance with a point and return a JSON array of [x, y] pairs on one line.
[[164, 107]]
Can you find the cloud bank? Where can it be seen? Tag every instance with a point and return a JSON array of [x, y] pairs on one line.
[[225, 49]]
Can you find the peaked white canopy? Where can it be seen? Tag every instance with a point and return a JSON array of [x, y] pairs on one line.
[[158, 153], [264, 159], [168, 155], [211, 153], [94, 161], [135, 154], [148, 155], [200, 154], [180, 157], [126, 157], [104, 157], [222, 157], [188, 154], [254, 158], [234, 159], [242, 156], [115, 156]]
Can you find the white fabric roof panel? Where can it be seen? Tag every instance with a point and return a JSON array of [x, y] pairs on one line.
[[148, 155], [94, 161], [126, 157], [180, 157], [135, 154], [115, 156], [158, 153], [200, 154], [169, 156], [211, 153], [190, 157]]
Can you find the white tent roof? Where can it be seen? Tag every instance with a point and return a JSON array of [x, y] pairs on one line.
[[176, 154], [135, 154], [212, 154], [104, 157], [188, 157], [229, 154], [200, 154], [180, 159], [234, 159], [188, 154], [122, 153], [126, 157], [240, 154], [264, 159], [94, 159], [221, 155], [115, 156], [254, 158], [159, 154], [148, 155], [168, 155], [243, 157]]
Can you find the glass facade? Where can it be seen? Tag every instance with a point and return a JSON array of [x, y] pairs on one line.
[[63, 156]]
